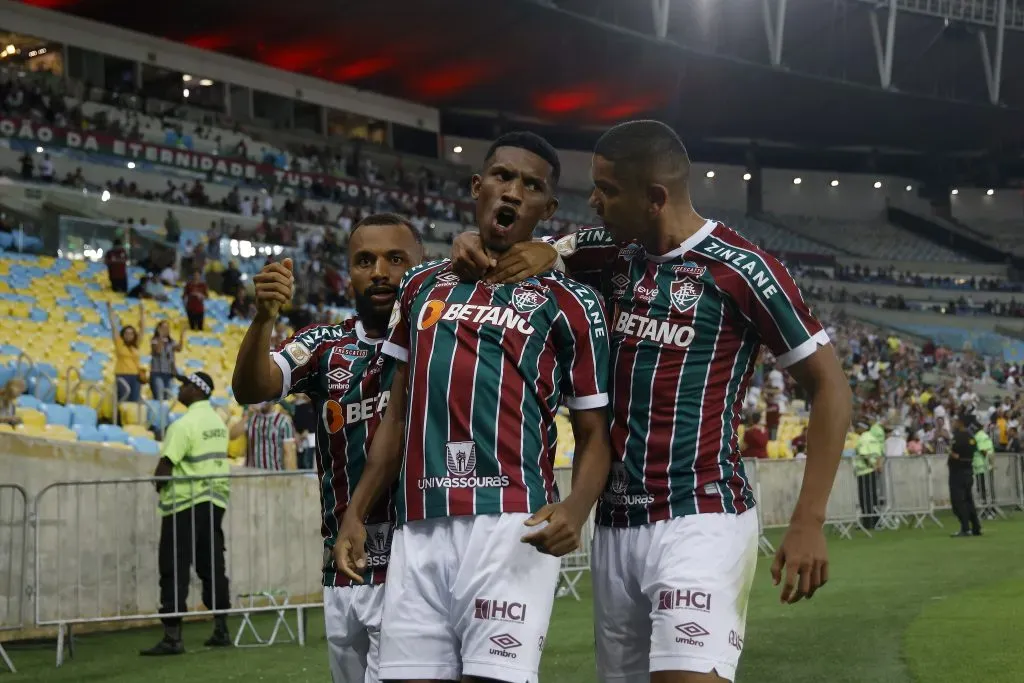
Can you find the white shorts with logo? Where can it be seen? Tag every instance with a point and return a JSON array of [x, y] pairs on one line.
[[353, 615], [672, 596], [466, 597]]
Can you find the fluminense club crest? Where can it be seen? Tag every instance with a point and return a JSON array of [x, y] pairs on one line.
[[527, 300], [619, 478], [685, 293]]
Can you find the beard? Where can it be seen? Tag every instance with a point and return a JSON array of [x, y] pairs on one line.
[[368, 311]]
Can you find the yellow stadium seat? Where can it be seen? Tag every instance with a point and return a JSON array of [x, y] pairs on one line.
[[779, 450], [130, 413], [31, 418], [117, 445], [30, 430], [4, 427], [137, 430]]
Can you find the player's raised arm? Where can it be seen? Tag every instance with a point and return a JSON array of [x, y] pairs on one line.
[[257, 377], [383, 464]]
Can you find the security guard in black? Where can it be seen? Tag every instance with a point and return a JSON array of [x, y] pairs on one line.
[[961, 479]]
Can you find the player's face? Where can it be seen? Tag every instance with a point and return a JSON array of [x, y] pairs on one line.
[[378, 256], [512, 195], [622, 206]]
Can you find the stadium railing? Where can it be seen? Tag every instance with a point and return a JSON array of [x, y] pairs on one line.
[[14, 552], [95, 544]]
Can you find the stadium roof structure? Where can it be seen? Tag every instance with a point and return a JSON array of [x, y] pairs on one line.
[[914, 75]]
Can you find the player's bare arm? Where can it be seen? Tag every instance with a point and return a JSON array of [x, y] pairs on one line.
[[471, 261], [803, 553], [590, 467], [383, 464], [257, 377]]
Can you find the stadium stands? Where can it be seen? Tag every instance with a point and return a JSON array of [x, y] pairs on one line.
[[871, 239]]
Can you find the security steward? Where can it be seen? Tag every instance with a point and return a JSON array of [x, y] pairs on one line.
[[866, 465], [195, 445], [961, 479]]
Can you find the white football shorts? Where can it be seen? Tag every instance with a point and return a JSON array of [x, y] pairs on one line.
[[466, 596], [672, 596], [352, 615]]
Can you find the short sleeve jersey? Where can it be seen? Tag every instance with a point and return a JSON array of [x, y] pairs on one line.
[[687, 328], [348, 381], [489, 366]]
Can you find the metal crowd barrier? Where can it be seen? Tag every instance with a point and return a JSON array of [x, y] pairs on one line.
[[14, 550], [98, 547], [577, 562], [907, 493]]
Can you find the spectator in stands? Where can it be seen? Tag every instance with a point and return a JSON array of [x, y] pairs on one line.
[[9, 401], [172, 227], [194, 297], [270, 438], [163, 367], [895, 443], [772, 412], [46, 170], [127, 370], [243, 307], [755, 438], [27, 166], [230, 279], [117, 266]]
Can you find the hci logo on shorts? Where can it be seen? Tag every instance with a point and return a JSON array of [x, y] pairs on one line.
[[461, 458], [687, 599], [499, 610]]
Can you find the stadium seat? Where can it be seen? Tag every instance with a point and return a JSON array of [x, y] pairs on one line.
[[28, 401], [56, 414], [82, 415], [137, 431], [147, 446], [113, 433], [87, 433], [132, 413], [31, 417]]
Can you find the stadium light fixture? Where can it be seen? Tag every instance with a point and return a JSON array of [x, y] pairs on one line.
[[746, 176], [131, 164], [835, 183], [11, 49], [206, 82], [909, 188], [186, 77], [955, 191], [878, 184], [39, 150], [457, 149], [184, 93], [105, 197], [797, 181], [710, 174], [990, 192]]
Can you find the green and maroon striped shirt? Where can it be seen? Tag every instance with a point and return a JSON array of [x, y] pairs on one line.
[[686, 330], [489, 366]]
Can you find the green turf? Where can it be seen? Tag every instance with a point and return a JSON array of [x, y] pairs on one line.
[[903, 607]]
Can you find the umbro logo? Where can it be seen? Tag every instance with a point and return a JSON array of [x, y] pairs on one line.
[[338, 379]]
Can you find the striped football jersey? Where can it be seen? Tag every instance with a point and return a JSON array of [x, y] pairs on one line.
[[488, 367], [348, 380], [687, 327]]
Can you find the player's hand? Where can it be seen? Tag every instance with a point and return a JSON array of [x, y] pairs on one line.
[[804, 557], [273, 288], [470, 261], [522, 260], [350, 548], [560, 536]]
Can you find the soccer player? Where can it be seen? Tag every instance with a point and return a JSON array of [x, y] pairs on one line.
[[676, 545], [483, 370], [341, 368]]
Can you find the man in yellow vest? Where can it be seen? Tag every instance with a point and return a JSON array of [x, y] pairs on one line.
[[195, 445], [867, 464]]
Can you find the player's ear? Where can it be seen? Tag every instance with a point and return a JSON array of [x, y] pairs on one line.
[[474, 185], [551, 207], [657, 198]]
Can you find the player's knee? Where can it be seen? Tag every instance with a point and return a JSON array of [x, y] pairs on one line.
[[686, 677]]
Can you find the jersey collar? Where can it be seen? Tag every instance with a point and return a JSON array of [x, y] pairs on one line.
[[363, 337], [686, 245]]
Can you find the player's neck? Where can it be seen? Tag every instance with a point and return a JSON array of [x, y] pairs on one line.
[[373, 328], [674, 227]]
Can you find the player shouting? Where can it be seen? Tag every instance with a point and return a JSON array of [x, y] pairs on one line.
[[483, 371], [676, 544], [341, 368]]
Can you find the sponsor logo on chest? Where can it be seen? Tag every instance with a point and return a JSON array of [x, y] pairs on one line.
[[337, 415], [508, 317], [651, 329]]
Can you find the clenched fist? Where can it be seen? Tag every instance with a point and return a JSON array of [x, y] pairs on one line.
[[273, 288]]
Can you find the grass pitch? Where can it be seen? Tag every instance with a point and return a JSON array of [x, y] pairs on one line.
[[902, 607]]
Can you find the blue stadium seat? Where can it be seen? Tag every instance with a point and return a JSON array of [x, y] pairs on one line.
[[113, 434], [87, 433], [56, 414], [82, 416], [144, 445], [29, 401]]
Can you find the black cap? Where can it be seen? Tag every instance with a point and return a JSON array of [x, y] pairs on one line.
[[200, 380]]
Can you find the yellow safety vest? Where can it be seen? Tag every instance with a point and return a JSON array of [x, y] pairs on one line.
[[197, 446]]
